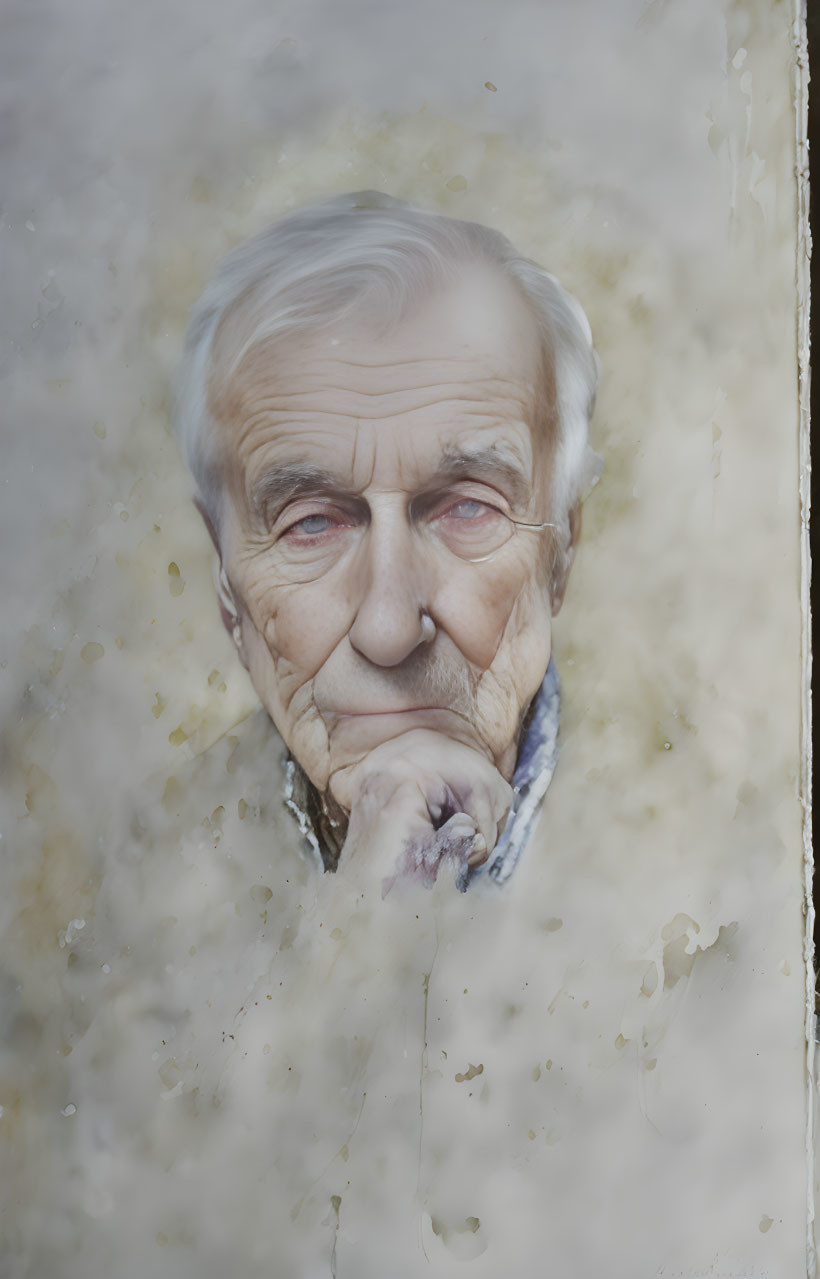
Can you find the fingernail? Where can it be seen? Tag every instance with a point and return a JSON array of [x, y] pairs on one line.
[[478, 852]]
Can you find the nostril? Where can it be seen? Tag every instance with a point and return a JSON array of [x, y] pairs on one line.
[[389, 625]]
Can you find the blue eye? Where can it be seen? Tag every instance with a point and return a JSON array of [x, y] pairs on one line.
[[311, 525], [469, 509]]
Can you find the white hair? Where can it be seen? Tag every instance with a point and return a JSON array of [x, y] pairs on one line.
[[320, 264]]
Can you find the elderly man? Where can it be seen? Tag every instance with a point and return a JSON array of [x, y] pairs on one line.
[[385, 412]]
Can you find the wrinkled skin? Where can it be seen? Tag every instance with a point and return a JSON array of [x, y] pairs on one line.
[[389, 712]]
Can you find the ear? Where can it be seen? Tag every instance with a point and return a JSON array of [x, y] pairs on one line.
[[227, 604], [561, 573], [229, 610]]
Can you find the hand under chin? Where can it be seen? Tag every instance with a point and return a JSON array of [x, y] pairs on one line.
[[417, 802]]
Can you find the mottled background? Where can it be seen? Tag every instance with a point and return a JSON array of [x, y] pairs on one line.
[[637, 1005]]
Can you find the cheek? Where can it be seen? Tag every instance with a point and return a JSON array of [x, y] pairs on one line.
[[300, 626], [485, 611]]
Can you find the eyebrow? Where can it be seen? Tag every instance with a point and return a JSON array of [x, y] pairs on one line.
[[460, 464], [279, 485]]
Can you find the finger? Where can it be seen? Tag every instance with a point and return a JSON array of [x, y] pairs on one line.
[[460, 843], [382, 821], [479, 851], [464, 840], [483, 811], [489, 804]]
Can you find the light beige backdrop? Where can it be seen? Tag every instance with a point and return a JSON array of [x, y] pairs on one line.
[[213, 1062]]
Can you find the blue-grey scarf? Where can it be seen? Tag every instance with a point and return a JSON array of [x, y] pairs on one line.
[[533, 773]]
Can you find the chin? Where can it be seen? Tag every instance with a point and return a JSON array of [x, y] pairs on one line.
[[358, 732]]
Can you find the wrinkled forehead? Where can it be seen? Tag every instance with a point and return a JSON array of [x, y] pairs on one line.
[[469, 352]]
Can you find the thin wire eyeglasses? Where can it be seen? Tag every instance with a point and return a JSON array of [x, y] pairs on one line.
[[307, 555], [513, 526]]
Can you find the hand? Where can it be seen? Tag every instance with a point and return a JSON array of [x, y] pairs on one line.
[[418, 801]]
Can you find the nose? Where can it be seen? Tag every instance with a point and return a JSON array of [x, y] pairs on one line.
[[391, 618]]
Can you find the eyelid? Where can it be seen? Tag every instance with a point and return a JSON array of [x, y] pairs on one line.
[[465, 491], [301, 508], [351, 507]]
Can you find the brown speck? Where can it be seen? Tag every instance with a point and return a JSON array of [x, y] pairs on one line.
[[676, 927], [172, 794], [488, 84], [650, 980], [470, 1073], [176, 583]]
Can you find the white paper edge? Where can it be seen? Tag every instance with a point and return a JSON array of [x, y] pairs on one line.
[[803, 260]]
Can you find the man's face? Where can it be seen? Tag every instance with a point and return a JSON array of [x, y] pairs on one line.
[[358, 461]]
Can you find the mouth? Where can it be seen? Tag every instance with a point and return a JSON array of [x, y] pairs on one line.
[[364, 729], [386, 710]]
